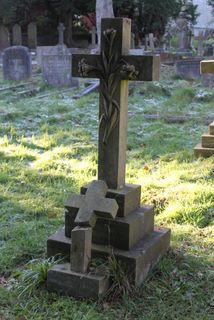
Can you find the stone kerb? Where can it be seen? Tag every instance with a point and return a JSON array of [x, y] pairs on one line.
[[16, 63]]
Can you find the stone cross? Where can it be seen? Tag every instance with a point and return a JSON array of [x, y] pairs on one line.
[[92, 205], [114, 67], [61, 30]]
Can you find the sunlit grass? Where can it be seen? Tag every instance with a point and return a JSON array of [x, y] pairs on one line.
[[48, 148]]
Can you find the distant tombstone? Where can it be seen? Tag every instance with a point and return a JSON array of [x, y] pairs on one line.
[[4, 37], [32, 35], [151, 42], [16, 63], [93, 36], [201, 37], [132, 40], [56, 68], [188, 69], [17, 35], [61, 30]]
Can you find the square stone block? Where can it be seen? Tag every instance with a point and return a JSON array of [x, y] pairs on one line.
[[124, 233], [128, 198], [207, 140], [63, 280]]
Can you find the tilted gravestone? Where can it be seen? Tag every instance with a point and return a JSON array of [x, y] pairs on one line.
[[206, 147], [56, 67], [4, 37], [131, 235], [32, 35], [16, 63], [17, 35]]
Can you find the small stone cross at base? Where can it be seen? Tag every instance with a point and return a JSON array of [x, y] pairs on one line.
[[90, 206]]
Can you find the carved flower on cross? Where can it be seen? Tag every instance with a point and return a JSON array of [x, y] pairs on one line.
[[130, 71], [84, 68]]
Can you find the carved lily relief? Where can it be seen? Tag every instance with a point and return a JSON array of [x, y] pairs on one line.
[[111, 69]]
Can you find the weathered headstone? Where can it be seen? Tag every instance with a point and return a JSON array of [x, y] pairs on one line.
[[206, 147], [61, 30], [4, 37], [32, 35], [131, 234], [17, 35], [56, 68], [188, 69], [16, 63]]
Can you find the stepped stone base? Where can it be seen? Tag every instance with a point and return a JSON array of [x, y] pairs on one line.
[[121, 233], [206, 147], [61, 279], [200, 151], [137, 262]]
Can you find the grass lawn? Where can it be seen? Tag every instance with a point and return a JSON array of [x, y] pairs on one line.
[[48, 148]]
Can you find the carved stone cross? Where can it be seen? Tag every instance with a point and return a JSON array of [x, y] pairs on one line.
[[90, 206], [61, 30], [114, 67], [93, 204]]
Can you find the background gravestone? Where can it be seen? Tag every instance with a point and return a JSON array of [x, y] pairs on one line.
[[17, 35], [4, 38], [16, 63], [32, 35], [56, 68], [188, 69]]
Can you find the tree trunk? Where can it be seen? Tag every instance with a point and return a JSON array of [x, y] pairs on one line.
[[104, 9]]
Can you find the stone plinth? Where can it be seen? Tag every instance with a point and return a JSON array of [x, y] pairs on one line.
[[62, 280], [138, 261]]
